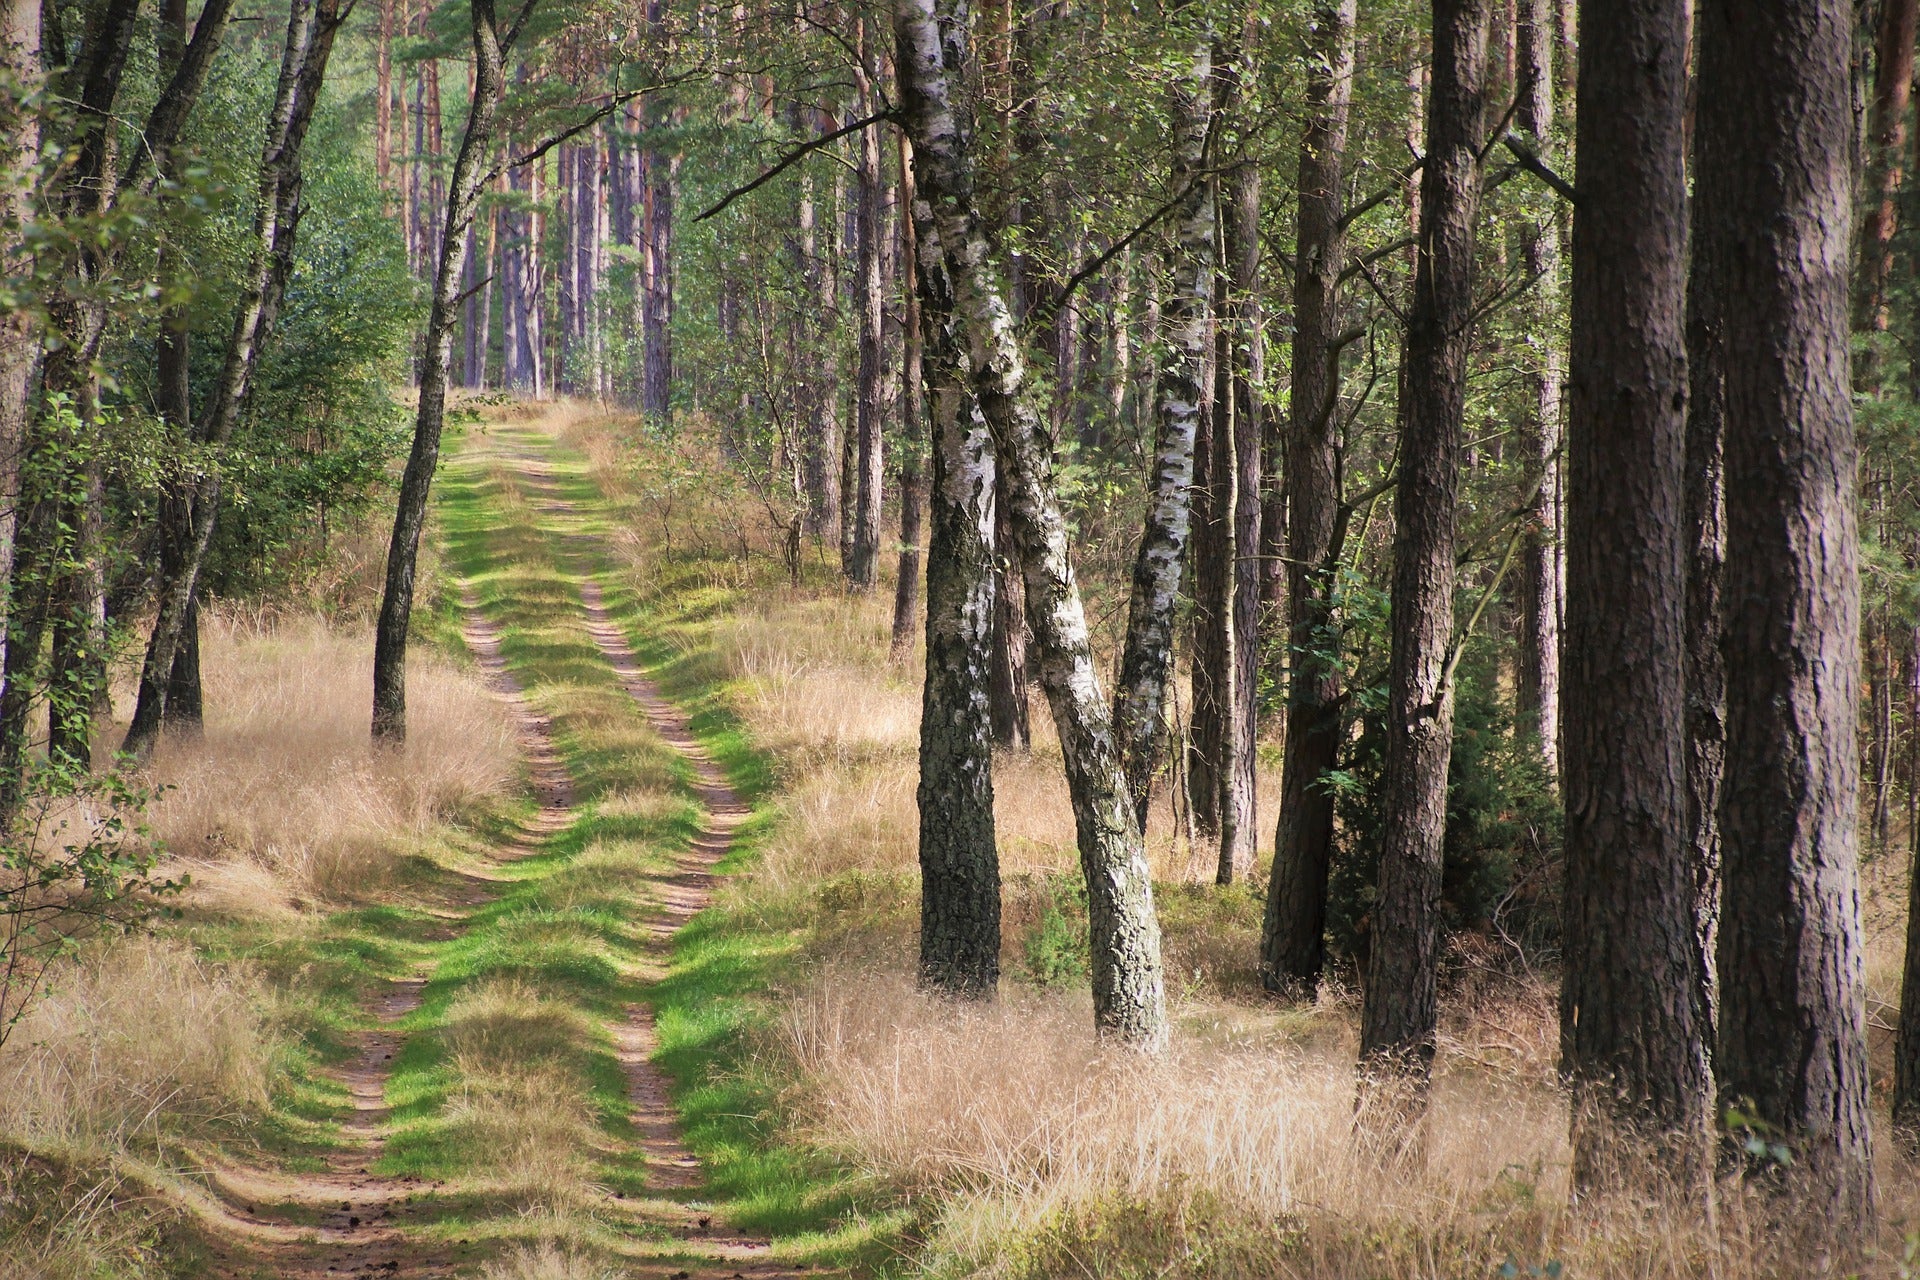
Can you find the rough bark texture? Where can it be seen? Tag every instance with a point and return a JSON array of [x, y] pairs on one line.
[[309, 47], [1630, 1039], [822, 392], [959, 862], [470, 175], [1293, 935], [1397, 1017], [1705, 680], [1146, 661], [1792, 1035], [1538, 583], [1129, 994]]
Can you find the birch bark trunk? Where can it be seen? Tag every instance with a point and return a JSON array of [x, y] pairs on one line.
[[1129, 994], [1146, 661]]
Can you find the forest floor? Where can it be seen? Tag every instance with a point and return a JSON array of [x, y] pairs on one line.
[[537, 963]]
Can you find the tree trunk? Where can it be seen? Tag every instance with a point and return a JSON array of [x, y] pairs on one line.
[[822, 390], [310, 38], [1293, 934], [1539, 587], [1630, 1038], [1398, 1016], [1775, 119], [906, 586], [1146, 661], [19, 335], [959, 862], [863, 564], [1129, 991], [1240, 426], [469, 177], [1008, 675], [656, 317]]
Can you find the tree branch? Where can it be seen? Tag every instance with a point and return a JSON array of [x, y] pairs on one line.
[[794, 157], [1534, 165]]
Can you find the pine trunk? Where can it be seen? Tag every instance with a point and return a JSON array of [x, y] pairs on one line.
[[1631, 1040], [1293, 935], [1539, 587], [1776, 119], [1398, 1014]]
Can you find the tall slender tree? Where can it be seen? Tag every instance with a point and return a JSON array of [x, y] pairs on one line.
[[1398, 1016], [492, 44], [1537, 654], [1292, 935], [1146, 661]]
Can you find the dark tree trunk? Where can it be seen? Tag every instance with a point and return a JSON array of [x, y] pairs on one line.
[[1129, 988], [1007, 676], [1538, 586], [1630, 1037], [1211, 575], [1398, 1016], [1146, 661], [469, 177], [1292, 938], [1774, 104]]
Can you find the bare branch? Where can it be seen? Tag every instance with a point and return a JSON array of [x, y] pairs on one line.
[[794, 157]]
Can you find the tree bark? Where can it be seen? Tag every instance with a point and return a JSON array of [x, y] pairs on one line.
[[1398, 1015], [1630, 1038], [959, 861], [470, 175], [1539, 585], [1775, 107], [1146, 661], [1293, 933], [1129, 991]]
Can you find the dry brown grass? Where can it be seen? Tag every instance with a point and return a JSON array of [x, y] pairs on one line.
[[285, 801], [142, 1035]]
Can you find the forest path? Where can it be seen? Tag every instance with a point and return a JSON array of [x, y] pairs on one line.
[[351, 1218]]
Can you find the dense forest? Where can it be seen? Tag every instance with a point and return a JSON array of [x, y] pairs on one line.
[[1212, 638]]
